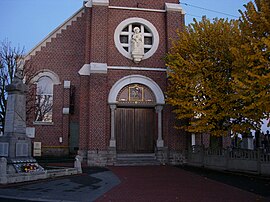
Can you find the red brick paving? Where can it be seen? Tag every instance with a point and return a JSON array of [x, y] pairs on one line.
[[157, 183]]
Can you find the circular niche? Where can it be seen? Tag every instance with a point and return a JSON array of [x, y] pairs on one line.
[[123, 35]]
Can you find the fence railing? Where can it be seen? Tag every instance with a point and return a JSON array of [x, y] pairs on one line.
[[255, 161]]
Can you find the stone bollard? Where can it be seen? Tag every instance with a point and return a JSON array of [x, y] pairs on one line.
[[78, 163]]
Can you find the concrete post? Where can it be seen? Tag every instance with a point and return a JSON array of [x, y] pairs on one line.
[[78, 163]]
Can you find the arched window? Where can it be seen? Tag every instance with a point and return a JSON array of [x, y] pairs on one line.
[[44, 99]]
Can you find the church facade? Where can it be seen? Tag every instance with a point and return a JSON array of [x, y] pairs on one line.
[[100, 81]]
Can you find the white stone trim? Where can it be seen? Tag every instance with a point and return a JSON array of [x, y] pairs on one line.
[[43, 123], [88, 4], [160, 143], [67, 84], [98, 68], [137, 9], [146, 23], [92, 3], [85, 70], [174, 7], [136, 79], [66, 110], [30, 132], [53, 34], [48, 73], [93, 68], [137, 68]]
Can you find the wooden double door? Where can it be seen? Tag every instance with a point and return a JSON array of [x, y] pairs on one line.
[[135, 129]]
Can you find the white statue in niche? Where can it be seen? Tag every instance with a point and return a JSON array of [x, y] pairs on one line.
[[137, 46]]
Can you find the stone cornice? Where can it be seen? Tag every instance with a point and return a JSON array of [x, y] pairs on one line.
[[137, 9], [93, 68], [174, 7], [92, 3], [137, 68]]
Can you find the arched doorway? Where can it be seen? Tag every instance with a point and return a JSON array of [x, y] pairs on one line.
[[134, 100], [135, 120]]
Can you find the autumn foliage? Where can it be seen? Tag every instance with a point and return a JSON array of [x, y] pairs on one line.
[[219, 73]]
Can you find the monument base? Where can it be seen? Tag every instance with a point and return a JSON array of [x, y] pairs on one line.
[[16, 148]]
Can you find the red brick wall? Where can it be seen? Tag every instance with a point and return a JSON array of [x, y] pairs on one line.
[[176, 139], [88, 14], [91, 39], [84, 112], [99, 29], [175, 21], [64, 55], [98, 108]]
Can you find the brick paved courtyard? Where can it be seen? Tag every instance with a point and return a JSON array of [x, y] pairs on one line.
[[171, 184]]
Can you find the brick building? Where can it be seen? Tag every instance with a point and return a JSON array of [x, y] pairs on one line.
[[100, 80]]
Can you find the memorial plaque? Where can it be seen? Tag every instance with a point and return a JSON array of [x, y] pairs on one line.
[[37, 149], [30, 132], [4, 148], [21, 149], [37, 145], [37, 153]]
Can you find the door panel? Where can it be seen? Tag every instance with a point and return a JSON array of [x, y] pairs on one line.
[[125, 130], [74, 137], [143, 133]]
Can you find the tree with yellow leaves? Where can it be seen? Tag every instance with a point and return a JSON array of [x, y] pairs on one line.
[[252, 66], [219, 73]]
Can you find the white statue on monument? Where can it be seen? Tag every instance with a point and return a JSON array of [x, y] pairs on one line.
[[137, 46]]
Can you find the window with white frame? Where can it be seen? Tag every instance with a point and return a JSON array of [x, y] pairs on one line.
[[123, 35], [44, 99]]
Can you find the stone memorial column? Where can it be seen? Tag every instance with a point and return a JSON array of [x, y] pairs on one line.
[[16, 143]]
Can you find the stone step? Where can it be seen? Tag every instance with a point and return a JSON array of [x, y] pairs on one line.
[[137, 155], [137, 164], [136, 160]]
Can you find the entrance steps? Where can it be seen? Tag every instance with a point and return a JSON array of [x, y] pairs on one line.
[[136, 160]]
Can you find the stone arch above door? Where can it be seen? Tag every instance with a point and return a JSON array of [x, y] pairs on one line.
[[132, 79]]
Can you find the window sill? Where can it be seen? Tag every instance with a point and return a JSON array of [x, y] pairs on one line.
[[43, 123]]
